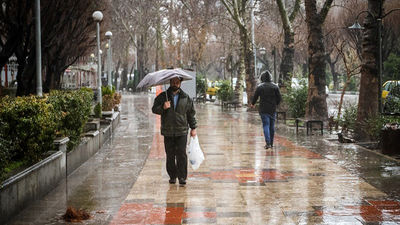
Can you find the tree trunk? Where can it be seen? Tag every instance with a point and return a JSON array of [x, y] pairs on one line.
[[248, 58], [316, 106], [286, 67], [26, 76], [369, 84], [116, 72], [239, 81]]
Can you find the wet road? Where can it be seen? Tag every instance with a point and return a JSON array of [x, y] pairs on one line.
[[302, 180], [334, 99]]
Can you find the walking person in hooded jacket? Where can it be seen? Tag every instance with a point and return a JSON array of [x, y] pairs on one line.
[[177, 115], [270, 97]]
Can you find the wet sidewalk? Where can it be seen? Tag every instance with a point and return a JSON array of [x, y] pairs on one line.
[[302, 180]]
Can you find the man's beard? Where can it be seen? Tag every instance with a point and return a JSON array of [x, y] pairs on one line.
[[174, 88]]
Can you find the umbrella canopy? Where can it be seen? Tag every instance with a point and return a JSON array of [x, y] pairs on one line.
[[163, 77]]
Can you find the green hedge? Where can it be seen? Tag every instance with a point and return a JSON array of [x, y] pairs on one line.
[[296, 98], [29, 125], [72, 109], [225, 92]]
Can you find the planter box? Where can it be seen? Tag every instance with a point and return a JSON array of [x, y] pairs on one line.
[[19, 191], [390, 141], [32, 183], [86, 149]]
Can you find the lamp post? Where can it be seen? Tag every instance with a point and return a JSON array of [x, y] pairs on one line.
[[262, 51], [222, 60], [97, 17], [357, 26], [274, 54], [38, 50], [108, 36]]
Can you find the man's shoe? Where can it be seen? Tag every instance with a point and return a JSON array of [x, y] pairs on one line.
[[172, 181], [267, 146], [182, 181]]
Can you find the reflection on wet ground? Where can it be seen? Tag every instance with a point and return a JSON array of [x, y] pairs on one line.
[[103, 182], [302, 180]]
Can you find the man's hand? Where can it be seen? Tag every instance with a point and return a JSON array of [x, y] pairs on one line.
[[193, 133], [167, 105], [252, 106]]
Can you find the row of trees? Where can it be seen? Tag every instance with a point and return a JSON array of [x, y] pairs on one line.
[[67, 34], [200, 33], [211, 36]]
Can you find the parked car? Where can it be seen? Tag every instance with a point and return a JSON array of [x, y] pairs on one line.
[[388, 86]]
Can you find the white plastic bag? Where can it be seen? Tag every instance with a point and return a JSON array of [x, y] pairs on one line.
[[194, 152]]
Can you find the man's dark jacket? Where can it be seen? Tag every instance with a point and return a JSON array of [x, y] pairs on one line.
[[270, 97], [175, 122]]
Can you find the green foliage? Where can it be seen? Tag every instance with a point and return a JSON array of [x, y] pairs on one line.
[[392, 68], [353, 84], [201, 85], [349, 117], [225, 92], [392, 102], [29, 124], [131, 84], [6, 149], [105, 90], [72, 109], [373, 126], [296, 98], [97, 110]]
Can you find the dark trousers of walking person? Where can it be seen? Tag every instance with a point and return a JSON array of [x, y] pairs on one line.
[[175, 148], [268, 122]]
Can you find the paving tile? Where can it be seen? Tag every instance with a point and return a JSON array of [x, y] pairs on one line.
[[302, 180]]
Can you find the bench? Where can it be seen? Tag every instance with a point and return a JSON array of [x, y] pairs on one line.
[[230, 104], [308, 124], [283, 115]]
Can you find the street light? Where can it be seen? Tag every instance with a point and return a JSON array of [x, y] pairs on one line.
[[378, 19], [38, 50], [222, 60], [275, 75], [262, 51], [97, 17], [108, 36]]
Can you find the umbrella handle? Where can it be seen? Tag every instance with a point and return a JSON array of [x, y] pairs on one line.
[[166, 95]]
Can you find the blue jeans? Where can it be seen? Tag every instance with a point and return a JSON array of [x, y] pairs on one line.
[[268, 127]]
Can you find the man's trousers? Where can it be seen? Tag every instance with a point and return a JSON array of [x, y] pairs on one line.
[[175, 148]]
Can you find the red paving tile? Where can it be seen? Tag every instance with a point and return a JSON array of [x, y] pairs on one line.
[[199, 215], [161, 215], [130, 213]]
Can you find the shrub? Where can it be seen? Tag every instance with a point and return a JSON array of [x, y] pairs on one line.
[[6, 149], [349, 117], [105, 90], [117, 98], [108, 103], [225, 92], [373, 125], [72, 109], [29, 123], [296, 98], [392, 103], [201, 85], [97, 110]]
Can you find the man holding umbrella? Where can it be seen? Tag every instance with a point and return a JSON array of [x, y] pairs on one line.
[[177, 115]]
